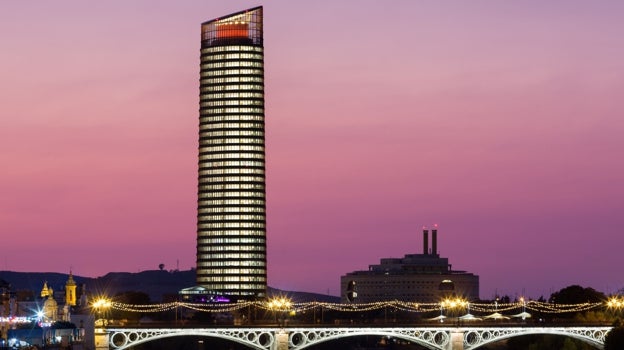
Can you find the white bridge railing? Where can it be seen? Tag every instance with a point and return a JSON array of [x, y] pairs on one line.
[[272, 338]]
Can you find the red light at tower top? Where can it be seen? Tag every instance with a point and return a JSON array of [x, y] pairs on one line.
[[232, 30], [240, 28]]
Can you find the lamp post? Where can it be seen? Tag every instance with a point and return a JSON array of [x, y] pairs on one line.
[[616, 304], [280, 306], [453, 304], [101, 305]]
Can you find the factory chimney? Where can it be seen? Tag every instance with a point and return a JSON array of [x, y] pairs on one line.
[[434, 240], [425, 241]]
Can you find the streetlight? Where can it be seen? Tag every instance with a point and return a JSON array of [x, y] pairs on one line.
[[452, 304], [280, 305], [616, 304], [100, 306]]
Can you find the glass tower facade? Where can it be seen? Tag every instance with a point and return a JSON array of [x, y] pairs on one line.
[[231, 222]]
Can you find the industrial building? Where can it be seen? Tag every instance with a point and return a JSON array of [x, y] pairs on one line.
[[425, 277]]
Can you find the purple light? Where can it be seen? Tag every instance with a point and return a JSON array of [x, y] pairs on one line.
[[220, 299]]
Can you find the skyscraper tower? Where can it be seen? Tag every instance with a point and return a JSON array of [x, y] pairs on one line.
[[231, 222]]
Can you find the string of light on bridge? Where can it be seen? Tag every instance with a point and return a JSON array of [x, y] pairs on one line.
[[536, 306]]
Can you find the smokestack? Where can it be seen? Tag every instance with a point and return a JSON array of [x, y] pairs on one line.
[[425, 241], [434, 241]]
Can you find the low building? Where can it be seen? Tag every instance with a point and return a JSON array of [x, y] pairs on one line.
[[45, 321], [421, 278]]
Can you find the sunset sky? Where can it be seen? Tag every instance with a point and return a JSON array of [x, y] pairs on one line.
[[500, 121]]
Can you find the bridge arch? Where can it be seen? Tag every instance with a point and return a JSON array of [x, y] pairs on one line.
[[434, 339], [258, 339], [475, 338]]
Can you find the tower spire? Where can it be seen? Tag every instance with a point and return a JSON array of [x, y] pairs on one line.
[[70, 290]]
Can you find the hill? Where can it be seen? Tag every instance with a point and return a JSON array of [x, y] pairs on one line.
[[158, 284]]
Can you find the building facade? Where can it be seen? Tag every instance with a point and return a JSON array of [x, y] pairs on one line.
[[421, 278], [231, 210]]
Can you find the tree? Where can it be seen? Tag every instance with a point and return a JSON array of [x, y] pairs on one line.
[[576, 294], [593, 317], [131, 298], [615, 339], [161, 267]]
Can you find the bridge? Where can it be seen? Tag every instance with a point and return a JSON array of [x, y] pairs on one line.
[[282, 335], [278, 338]]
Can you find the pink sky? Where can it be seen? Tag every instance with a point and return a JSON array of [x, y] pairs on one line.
[[499, 121]]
